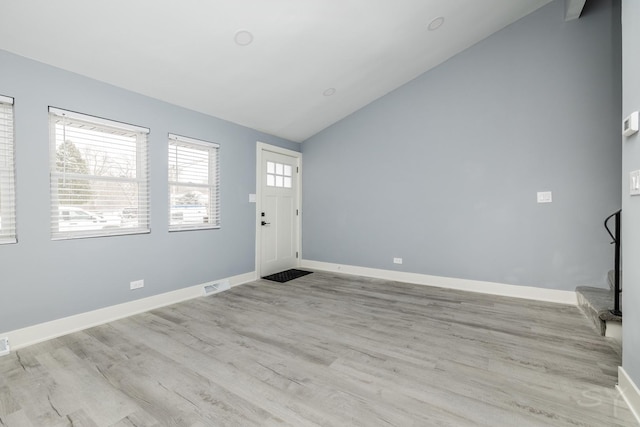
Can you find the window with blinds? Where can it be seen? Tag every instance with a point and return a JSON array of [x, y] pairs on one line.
[[194, 201], [7, 173], [99, 176]]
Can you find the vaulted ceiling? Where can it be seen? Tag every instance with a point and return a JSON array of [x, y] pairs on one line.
[[286, 67]]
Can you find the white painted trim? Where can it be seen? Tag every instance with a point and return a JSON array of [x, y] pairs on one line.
[[275, 149], [613, 330], [260, 148], [45, 331], [527, 292], [629, 391]]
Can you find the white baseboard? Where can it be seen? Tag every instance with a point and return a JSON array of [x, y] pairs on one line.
[[629, 391], [45, 331], [613, 330], [527, 292]]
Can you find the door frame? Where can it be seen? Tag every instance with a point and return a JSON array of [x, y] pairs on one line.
[[261, 147]]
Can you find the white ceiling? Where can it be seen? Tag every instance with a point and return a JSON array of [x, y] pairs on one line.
[[183, 52]]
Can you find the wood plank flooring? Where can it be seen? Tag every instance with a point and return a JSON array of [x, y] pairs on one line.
[[323, 350]]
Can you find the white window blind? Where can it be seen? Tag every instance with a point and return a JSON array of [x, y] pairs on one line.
[[7, 173], [194, 201], [99, 176]]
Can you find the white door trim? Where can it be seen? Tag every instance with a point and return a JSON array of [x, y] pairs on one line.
[[260, 148]]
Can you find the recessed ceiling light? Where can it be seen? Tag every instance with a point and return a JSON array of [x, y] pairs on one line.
[[436, 23], [243, 38], [329, 91]]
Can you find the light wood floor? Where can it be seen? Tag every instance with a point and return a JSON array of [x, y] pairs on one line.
[[327, 350]]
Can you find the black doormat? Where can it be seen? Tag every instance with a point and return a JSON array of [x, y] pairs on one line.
[[285, 276]]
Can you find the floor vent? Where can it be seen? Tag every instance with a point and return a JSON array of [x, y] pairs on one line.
[[214, 288], [4, 346]]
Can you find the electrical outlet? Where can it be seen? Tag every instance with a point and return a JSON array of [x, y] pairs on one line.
[[397, 260], [136, 284], [634, 183]]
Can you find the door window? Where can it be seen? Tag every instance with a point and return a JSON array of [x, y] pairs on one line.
[[279, 175]]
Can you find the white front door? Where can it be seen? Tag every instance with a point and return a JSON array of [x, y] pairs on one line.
[[278, 212]]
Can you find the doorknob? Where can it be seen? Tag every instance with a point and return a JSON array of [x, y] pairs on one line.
[[265, 223]]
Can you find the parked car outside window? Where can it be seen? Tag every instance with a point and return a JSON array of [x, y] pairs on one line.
[[74, 218]]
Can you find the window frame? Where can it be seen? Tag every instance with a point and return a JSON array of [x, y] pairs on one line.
[[110, 130], [8, 231], [213, 185]]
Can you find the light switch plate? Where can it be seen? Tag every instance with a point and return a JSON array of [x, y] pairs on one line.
[[545, 197], [634, 183], [252, 198]]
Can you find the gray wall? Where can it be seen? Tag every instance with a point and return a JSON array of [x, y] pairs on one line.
[[42, 279], [444, 171], [630, 205]]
